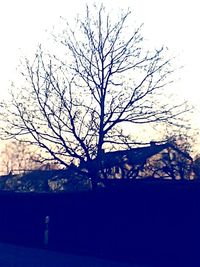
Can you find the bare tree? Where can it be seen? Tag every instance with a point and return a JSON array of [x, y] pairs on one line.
[[18, 157], [79, 105]]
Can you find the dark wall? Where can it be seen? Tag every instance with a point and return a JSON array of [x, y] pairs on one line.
[[143, 222]]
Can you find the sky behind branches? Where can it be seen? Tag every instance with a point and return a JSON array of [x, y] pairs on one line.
[[172, 23]]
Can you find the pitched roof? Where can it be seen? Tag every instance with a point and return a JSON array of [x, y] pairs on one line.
[[137, 155]]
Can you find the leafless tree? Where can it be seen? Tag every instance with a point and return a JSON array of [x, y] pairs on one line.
[[76, 106], [18, 157]]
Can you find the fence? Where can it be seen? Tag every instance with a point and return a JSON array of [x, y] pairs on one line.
[[137, 222]]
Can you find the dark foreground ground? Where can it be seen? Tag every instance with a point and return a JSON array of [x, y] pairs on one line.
[[17, 256]]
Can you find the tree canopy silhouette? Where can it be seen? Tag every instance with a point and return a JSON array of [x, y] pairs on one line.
[[78, 104]]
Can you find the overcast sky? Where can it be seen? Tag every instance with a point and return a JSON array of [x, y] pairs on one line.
[[174, 23]]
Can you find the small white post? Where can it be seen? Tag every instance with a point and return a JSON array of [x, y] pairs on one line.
[[46, 231]]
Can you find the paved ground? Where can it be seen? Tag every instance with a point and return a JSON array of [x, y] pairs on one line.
[[14, 256]]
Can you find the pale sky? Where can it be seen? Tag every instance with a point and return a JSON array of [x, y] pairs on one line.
[[174, 23]]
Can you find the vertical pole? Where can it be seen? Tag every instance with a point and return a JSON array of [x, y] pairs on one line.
[[46, 231]]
